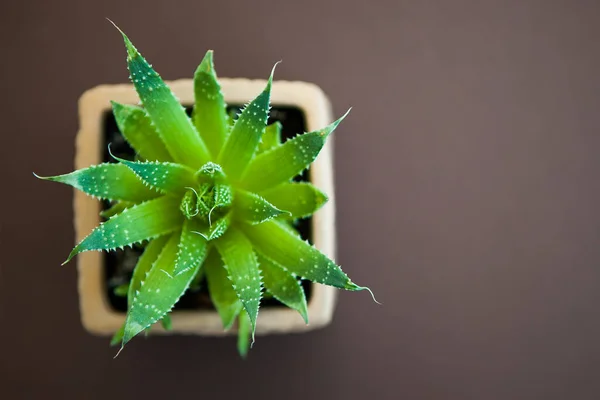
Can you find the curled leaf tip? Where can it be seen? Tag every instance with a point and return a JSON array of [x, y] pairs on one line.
[[355, 287], [121, 160], [272, 74], [131, 50], [46, 178], [119, 352]]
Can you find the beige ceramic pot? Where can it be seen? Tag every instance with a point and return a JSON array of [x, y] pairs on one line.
[[96, 314]]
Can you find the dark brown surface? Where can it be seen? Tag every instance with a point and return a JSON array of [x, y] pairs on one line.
[[467, 180]]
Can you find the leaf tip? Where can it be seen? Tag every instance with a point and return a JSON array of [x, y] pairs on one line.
[[46, 178], [270, 82], [354, 287], [207, 64], [131, 50], [119, 352]]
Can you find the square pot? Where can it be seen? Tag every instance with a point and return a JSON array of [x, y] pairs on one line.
[[97, 314]]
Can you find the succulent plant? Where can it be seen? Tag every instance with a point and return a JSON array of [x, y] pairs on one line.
[[209, 195]]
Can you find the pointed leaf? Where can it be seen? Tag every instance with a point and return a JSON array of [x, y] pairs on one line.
[[296, 256], [159, 292], [284, 286], [282, 163], [115, 209], [172, 123], [221, 290], [242, 142], [165, 177], [144, 221], [192, 247], [252, 208], [142, 268], [107, 181], [271, 138], [242, 268], [210, 117], [244, 328], [301, 199], [136, 127]]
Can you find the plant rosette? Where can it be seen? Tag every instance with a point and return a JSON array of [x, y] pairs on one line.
[[211, 195]]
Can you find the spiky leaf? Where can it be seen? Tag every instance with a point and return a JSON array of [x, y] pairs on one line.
[[165, 177], [107, 181], [271, 138], [242, 142], [148, 257], [244, 329], [172, 123], [143, 266], [159, 292], [253, 209], [242, 267], [282, 163], [137, 129], [283, 286], [221, 290], [285, 248], [210, 117], [192, 247], [301, 199], [144, 221]]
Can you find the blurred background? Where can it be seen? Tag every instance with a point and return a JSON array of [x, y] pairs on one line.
[[467, 179]]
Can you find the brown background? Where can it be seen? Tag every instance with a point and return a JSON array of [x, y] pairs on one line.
[[467, 179]]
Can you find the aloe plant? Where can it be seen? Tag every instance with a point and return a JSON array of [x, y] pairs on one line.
[[208, 195]]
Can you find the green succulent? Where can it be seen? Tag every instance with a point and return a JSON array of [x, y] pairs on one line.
[[207, 195]]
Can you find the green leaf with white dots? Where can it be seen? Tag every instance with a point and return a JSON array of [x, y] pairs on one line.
[[169, 117], [242, 268], [221, 290], [295, 255], [253, 209], [271, 138], [301, 199], [159, 291], [165, 177], [283, 285], [142, 268], [192, 247], [136, 127], [242, 142], [148, 257], [244, 329], [144, 221], [210, 117], [107, 181], [284, 162]]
